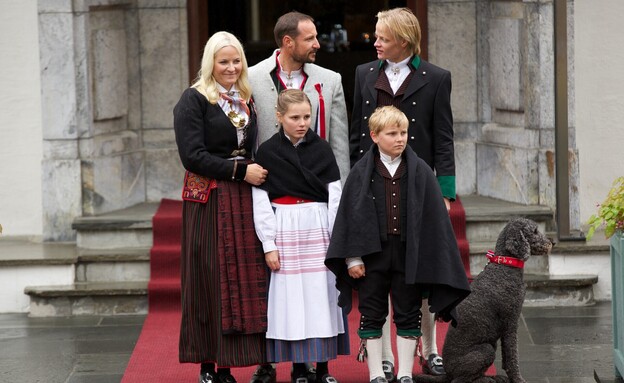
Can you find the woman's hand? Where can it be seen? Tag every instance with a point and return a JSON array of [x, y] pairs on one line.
[[256, 174], [272, 260], [357, 271]]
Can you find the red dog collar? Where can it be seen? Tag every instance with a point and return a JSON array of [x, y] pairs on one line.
[[507, 261]]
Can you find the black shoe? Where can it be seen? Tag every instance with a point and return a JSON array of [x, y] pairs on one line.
[[264, 374], [309, 376], [225, 378], [406, 379], [327, 379], [388, 369], [379, 379], [207, 377], [433, 365]]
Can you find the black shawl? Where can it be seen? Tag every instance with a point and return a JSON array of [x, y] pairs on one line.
[[432, 256], [302, 171]]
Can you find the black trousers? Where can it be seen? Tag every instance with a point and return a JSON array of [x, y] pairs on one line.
[[385, 274]]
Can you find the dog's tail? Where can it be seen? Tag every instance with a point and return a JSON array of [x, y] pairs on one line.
[[422, 378]]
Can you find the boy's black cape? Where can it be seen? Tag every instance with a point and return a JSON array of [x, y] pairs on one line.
[[432, 256]]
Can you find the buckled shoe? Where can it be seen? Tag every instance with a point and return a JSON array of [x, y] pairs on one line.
[[388, 369], [433, 365]]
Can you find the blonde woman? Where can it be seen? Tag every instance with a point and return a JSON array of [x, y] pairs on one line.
[[223, 303]]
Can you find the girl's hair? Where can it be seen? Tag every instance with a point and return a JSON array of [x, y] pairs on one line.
[[205, 82], [288, 97], [403, 25], [386, 116]]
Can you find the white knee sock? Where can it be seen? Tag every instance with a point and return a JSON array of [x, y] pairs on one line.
[[386, 351], [428, 328], [373, 359], [405, 348]]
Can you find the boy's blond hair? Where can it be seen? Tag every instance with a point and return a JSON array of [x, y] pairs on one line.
[[386, 116], [403, 25]]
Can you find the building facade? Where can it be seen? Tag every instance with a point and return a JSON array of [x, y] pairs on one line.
[[88, 86]]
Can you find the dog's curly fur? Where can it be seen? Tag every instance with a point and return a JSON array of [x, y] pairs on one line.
[[491, 312]]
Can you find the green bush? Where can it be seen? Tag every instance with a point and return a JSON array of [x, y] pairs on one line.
[[610, 212]]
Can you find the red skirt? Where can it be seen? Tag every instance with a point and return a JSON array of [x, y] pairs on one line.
[[224, 280]]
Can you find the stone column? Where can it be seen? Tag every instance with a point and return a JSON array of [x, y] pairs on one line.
[[112, 71]]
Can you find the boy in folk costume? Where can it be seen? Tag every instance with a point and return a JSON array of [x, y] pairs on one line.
[[294, 212], [393, 235]]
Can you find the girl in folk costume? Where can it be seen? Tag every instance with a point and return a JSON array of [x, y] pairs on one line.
[[294, 213], [224, 280]]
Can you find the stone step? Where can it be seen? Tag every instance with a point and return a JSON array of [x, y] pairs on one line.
[[88, 298], [130, 227], [559, 290], [26, 261], [113, 265], [486, 217]]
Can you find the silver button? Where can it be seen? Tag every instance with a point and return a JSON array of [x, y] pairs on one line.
[[413, 102], [412, 137], [394, 229], [413, 120], [371, 69], [394, 206], [394, 182], [394, 218], [394, 194], [276, 124], [366, 117], [367, 102], [363, 134], [424, 73], [361, 150]]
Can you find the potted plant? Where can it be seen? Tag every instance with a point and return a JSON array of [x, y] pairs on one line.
[[611, 215], [610, 212]]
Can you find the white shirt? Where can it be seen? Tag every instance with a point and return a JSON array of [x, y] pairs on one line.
[[391, 164], [397, 73]]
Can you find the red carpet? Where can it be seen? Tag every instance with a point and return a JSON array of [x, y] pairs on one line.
[[155, 357]]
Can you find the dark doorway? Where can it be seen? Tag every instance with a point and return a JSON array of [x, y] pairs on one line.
[[252, 22]]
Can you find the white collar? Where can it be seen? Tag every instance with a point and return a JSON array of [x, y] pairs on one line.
[[232, 92], [302, 139], [386, 159], [401, 65]]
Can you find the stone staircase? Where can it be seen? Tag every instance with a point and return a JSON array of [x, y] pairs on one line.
[[110, 261], [111, 268]]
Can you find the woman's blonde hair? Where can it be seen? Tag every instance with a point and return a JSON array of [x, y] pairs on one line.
[[386, 116], [403, 25], [205, 82]]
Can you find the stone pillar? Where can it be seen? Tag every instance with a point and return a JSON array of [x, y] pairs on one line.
[[112, 71], [453, 43]]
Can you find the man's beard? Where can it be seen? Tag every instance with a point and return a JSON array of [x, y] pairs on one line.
[[305, 59]]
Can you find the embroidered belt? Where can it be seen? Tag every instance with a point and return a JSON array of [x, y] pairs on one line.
[[290, 200]]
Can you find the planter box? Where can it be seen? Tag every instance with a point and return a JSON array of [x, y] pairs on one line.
[[617, 282]]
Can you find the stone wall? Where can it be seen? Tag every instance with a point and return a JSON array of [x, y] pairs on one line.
[[111, 73], [501, 56]]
